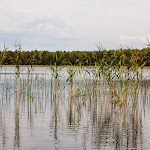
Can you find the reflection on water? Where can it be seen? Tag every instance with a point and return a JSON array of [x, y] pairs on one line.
[[38, 112]]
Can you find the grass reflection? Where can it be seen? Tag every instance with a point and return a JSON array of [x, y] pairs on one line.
[[105, 111]]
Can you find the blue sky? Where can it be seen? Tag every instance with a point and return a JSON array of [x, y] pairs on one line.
[[74, 24]]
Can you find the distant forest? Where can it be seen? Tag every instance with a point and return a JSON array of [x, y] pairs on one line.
[[122, 57]]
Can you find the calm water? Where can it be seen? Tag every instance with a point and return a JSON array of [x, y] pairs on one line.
[[35, 113]]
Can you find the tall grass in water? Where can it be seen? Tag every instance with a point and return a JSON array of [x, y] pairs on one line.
[[108, 96], [71, 75], [56, 69], [57, 94], [18, 49], [3, 54]]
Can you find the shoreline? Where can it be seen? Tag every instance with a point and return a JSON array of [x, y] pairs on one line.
[[68, 66]]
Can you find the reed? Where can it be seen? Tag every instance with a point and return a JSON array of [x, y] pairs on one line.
[[113, 86], [3, 54]]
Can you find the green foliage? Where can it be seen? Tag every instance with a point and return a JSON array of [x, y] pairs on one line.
[[114, 58], [71, 73]]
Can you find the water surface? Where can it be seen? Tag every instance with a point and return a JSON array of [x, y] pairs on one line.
[[36, 113]]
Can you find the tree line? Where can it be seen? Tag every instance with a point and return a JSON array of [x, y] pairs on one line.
[[121, 57]]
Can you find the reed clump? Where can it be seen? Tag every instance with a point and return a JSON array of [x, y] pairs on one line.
[[114, 84], [108, 94]]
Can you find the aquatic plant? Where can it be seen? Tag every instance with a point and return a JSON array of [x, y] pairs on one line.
[[18, 49], [3, 55]]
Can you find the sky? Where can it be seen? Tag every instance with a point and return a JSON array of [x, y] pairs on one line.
[[74, 24]]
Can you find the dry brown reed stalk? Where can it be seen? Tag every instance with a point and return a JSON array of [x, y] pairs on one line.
[[90, 95], [125, 98], [57, 106], [17, 89], [135, 93], [58, 96], [71, 103], [16, 94], [28, 91], [58, 92]]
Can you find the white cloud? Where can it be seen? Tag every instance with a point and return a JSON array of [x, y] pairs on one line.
[[73, 24], [142, 39]]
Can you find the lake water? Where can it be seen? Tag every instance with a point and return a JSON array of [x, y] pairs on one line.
[[38, 113]]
